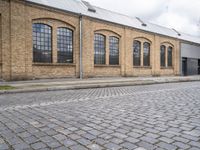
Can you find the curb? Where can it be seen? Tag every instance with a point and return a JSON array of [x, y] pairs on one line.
[[89, 86]]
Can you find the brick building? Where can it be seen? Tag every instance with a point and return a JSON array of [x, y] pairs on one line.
[[71, 38]]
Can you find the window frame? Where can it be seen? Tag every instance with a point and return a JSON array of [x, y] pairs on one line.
[[112, 55], [40, 37], [149, 54], [170, 62], [99, 59], [138, 63], [65, 43], [163, 62]]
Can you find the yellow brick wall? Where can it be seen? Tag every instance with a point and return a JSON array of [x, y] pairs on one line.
[[16, 48], [0, 48], [5, 39]]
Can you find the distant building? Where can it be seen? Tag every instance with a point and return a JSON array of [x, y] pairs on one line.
[[71, 38]]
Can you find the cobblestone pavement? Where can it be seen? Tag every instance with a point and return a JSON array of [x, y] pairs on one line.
[[165, 116]]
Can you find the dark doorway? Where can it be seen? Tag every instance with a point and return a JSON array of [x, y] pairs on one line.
[[184, 66], [199, 66]]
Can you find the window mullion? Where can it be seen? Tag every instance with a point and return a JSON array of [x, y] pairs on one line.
[[54, 45]]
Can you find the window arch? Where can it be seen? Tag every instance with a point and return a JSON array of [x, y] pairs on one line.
[[42, 43], [99, 49], [114, 50], [162, 55], [146, 54], [136, 53], [64, 45], [169, 56]]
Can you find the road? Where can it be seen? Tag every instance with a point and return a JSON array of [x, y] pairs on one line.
[[160, 117]]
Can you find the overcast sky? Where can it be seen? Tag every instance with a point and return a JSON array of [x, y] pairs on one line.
[[183, 15]]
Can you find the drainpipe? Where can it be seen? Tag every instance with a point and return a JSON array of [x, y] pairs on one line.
[[81, 49]]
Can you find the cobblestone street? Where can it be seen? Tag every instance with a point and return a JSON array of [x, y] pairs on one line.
[[160, 117]]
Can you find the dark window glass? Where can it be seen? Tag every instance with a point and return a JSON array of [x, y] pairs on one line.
[[42, 47], [162, 55], [136, 53], [169, 56], [99, 49], [114, 51], [146, 54], [65, 45]]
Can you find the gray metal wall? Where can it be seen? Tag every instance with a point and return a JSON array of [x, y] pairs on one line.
[[192, 53]]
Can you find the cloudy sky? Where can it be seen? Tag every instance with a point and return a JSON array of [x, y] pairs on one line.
[[183, 15]]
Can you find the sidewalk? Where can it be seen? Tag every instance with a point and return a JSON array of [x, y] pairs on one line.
[[73, 83]]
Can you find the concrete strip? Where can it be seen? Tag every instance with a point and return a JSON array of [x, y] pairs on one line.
[[88, 85]]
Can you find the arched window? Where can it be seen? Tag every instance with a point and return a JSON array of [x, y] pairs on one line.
[[146, 54], [65, 45], [42, 43], [114, 50], [136, 53], [99, 49], [162, 55], [169, 55]]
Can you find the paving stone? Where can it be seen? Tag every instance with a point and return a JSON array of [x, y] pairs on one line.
[[31, 139], [166, 146], [166, 140], [152, 135], [132, 140], [140, 148], [62, 148], [89, 136], [95, 147], [133, 134], [196, 144], [120, 135], [128, 145], [149, 139], [83, 141], [146, 145], [60, 137], [180, 139], [116, 140], [3, 146], [181, 145], [194, 148], [100, 141], [53, 144], [190, 137], [112, 146], [21, 146], [68, 142], [38, 145], [78, 147]]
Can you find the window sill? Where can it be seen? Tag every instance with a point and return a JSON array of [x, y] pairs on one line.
[[143, 67], [118, 66], [53, 64], [166, 67]]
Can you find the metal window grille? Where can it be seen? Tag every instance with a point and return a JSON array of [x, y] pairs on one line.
[[146, 54], [42, 43], [114, 50], [169, 56], [99, 49], [162, 55], [136, 53], [65, 45]]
